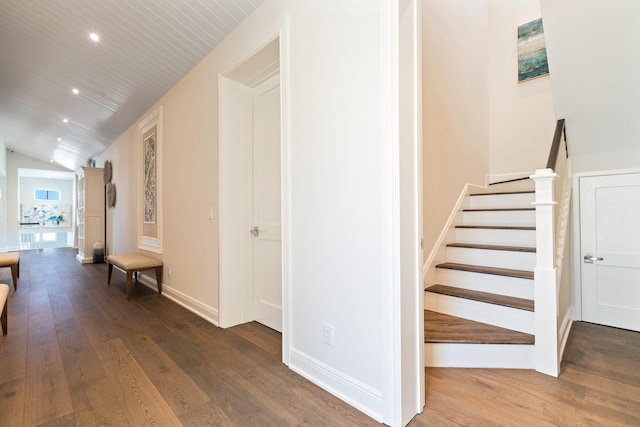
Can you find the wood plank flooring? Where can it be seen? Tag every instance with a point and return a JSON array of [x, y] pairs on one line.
[[79, 354]]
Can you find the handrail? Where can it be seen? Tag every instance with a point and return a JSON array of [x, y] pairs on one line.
[[555, 145]]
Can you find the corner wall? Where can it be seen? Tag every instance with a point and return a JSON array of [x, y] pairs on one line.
[[593, 50], [456, 104]]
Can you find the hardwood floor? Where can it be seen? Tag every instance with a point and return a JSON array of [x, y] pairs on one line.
[[79, 354]]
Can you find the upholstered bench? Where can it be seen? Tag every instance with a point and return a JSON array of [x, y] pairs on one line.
[[12, 259], [133, 263], [4, 303]]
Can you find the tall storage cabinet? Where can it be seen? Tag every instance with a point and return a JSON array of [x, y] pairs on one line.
[[90, 215]]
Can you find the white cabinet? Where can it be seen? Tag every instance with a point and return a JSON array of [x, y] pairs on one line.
[[90, 215]]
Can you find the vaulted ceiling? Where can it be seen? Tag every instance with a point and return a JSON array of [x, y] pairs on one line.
[[145, 48]]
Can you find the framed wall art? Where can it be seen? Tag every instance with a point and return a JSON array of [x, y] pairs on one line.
[[150, 183], [532, 51]]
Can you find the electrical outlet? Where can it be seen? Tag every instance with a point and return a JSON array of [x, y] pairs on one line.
[[169, 271], [328, 334]]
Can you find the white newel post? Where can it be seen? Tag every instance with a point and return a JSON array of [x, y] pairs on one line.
[[545, 280]]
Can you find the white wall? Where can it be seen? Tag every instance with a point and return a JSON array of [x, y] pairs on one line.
[[29, 185], [338, 71], [522, 119], [593, 50], [456, 104]]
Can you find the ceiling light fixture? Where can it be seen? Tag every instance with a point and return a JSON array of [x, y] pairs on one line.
[[75, 91], [94, 36], [59, 139], [65, 120]]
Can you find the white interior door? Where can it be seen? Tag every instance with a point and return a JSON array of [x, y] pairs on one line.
[[610, 250], [267, 240]]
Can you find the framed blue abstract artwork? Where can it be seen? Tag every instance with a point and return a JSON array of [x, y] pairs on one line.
[[532, 51]]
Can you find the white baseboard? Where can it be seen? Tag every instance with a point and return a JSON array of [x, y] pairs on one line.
[[208, 313], [563, 332], [357, 394]]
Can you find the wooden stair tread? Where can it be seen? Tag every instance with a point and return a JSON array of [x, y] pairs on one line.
[[497, 227], [522, 274], [442, 328], [498, 193], [498, 209], [503, 300], [492, 247]]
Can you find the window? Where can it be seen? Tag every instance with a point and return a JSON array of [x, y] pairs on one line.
[[47, 195]]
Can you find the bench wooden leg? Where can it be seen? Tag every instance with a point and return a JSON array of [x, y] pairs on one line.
[[14, 276], [109, 275], [4, 317], [159, 279], [129, 276]]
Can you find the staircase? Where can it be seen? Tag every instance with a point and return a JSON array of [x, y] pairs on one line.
[[479, 309]]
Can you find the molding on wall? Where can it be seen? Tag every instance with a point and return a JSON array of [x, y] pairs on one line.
[[357, 394], [208, 313]]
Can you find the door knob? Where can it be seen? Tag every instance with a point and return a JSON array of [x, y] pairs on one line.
[[255, 231], [588, 259]]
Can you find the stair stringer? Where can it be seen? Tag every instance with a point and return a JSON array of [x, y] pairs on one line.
[[438, 253]]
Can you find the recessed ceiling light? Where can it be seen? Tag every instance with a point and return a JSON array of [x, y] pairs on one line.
[[65, 120], [59, 139], [94, 36], [75, 91]]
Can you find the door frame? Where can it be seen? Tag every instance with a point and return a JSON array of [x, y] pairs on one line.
[[577, 238], [235, 186]]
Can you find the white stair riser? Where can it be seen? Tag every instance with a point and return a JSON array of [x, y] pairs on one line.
[[514, 260], [485, 236], [501, 285], [511, 218], [501, 201], [492, 314], [500, 356]]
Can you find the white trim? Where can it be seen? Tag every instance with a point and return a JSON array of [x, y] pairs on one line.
[[357, 394], [390, 409], [563, 333], [149, 243], [208, 313], [446, 236], [285, 176], [499, 356]]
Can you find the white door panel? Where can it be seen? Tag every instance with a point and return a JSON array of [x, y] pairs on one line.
[[610, 249], [267, 240]]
